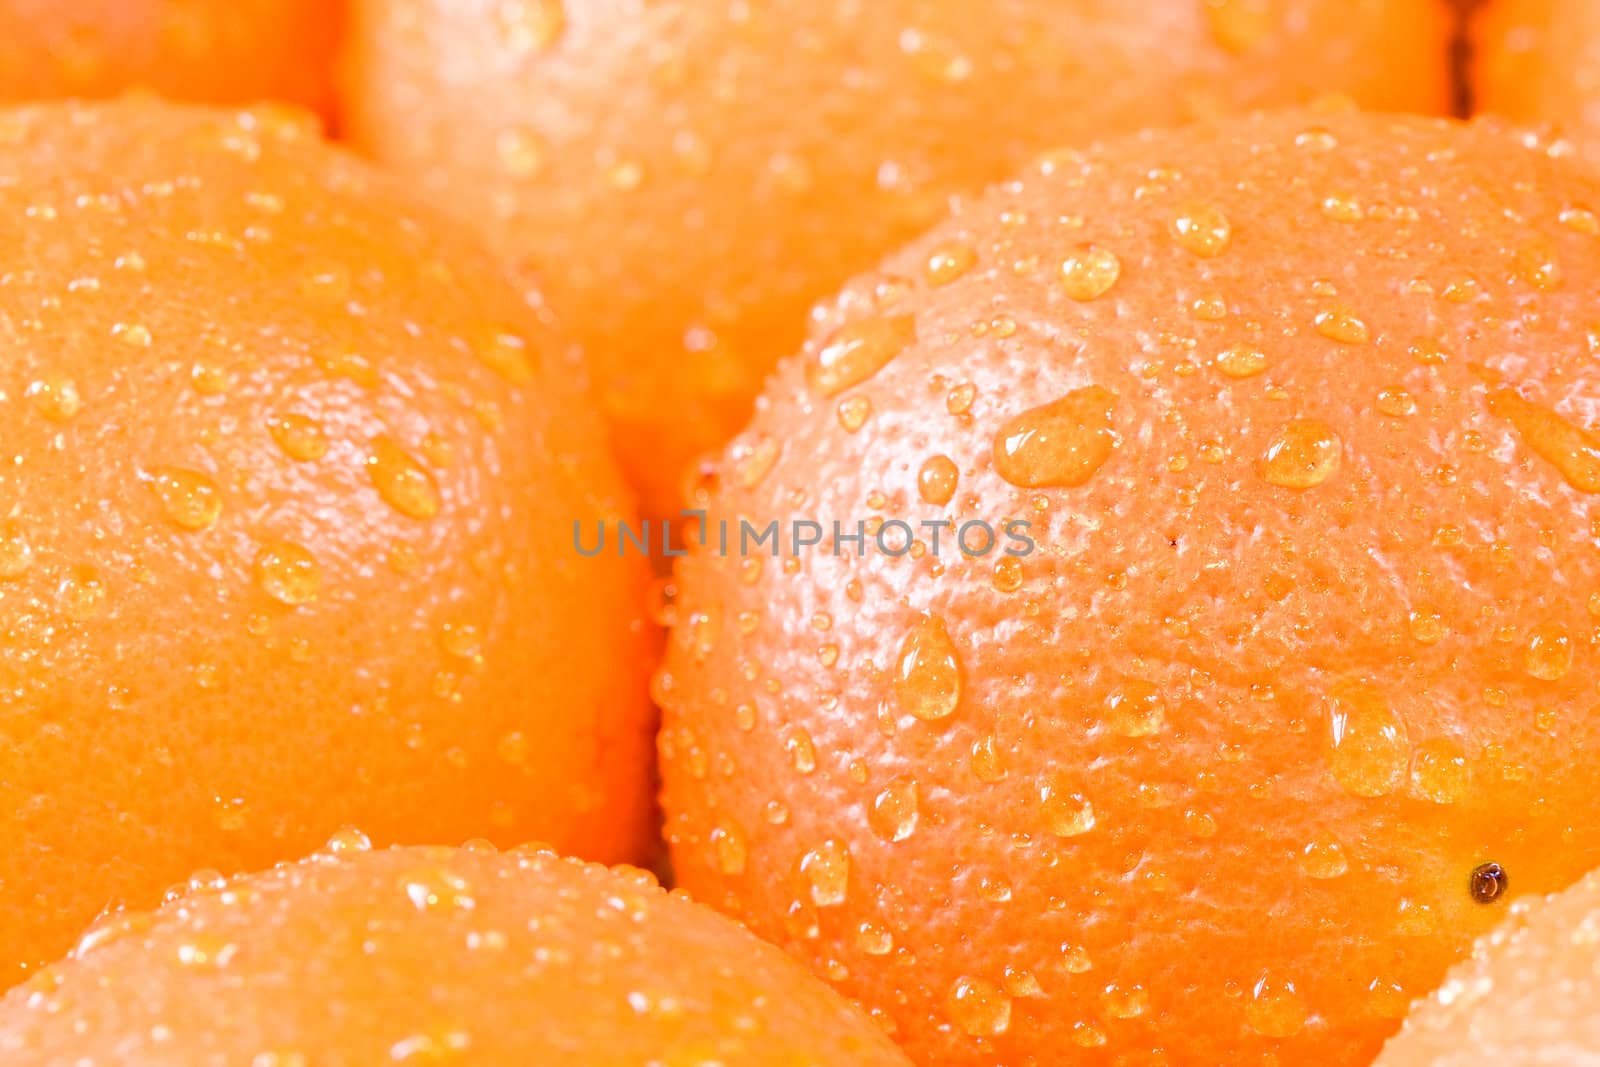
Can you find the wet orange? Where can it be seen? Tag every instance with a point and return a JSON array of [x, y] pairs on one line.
[[212, 51], [686, 178], [428, 955], [1526, 996], [287, 479], [1538, 61], [1299, 413]]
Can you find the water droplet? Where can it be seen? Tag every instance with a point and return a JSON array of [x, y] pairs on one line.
[[1304, 454], [874, 940], [16, 554], [1125, 1002], [190, 499], [132, 334], [802, 753], [206, 952], [893, 815], [987, 763], [1202, 229], [1089, 271], [288, 573], [1343, 325], [1572, 451], [927, 681], [937, 478], [1370, 749], [1136, 710], [401, 481], [1008, 574], [1439, 771], [979, 1007], [436, 889], [56, 398], [1548, 655], [83, 595], [728, 847], [1059, 444], [826, 872], [1275, 1008], [950, 261], [1427, 627], [1066, 813], [853, 411], [1242, 361], [347, 839], [857, 351]]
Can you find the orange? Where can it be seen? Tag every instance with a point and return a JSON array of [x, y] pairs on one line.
[[1538, 61], [1298, 411], [287, 479], [1525, 997], [685, 178], [213, 51], [424, 955]]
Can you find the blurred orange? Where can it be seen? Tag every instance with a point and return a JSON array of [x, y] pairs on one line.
[[425, 955], [1538, 61], [287, 479], [685, 178], [212, 51], [1302, 411]]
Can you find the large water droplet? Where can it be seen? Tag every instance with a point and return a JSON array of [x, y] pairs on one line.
[[1370, 749], [1574, 452], [979, 1007], [1304, 454], [1059, 444], [857, 351], [927, 680], [401, 481], [190, 499], [825, 870]]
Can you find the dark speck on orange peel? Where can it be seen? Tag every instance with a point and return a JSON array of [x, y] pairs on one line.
[[207, 51], [287, 479], [1309, 633], [432, 956], [685, 177]]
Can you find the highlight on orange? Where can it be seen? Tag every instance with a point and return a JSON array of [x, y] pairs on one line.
[[1538, 62], [1525, 997], [1178, 580], [424, 955], [684, 179], [287, 475], [208, 51]]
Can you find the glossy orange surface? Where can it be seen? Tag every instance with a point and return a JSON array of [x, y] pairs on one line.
[[287, 479], [1301, 412]]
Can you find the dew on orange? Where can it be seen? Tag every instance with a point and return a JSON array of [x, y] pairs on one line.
[[432, 955], [287, 478], [233, 52], [686, 178], [1298, 410]]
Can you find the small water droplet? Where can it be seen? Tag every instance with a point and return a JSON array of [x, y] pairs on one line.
[[1089, 271], [859, 350], [16, 554], [401, 481], [1305, 453], [1342, 325], [729, 849], [1439, 772], [1242, 361], [937, 478], [1125, 1001], [206, 952], [950, 261], [1370, 749], [437, 889], [1548, 655], [1136, 710], [56, 398], [1202, 229], [826, 873], [894, 811], [288, 573], [1066, 813], [298, 435], [1275, 1008], [927, 680], [979, 1007], [1059, 444], [190, 499]]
